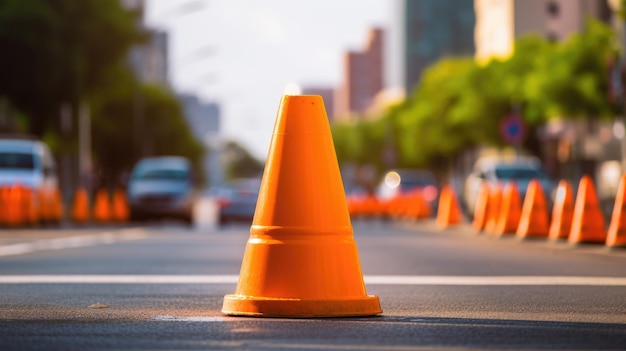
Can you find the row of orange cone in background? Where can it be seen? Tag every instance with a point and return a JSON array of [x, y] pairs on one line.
[[500, 211], [105, 208], [21, 206], [410, 205]]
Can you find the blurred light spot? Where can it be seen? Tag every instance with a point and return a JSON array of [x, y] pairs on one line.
[[560, 194], [293, 89], [430, 193], [392, 179], [618, 130]]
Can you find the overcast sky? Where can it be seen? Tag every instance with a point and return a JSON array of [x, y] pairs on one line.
[[243, 53]]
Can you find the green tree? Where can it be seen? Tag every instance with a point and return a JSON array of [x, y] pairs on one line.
[[240, 163], [58, 51], [164, 130]]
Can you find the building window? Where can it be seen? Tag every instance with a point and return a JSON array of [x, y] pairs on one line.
[[553, 8]]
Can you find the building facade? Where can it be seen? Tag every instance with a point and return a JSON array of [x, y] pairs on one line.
[[434, 29], [500, 22], [363, 78]]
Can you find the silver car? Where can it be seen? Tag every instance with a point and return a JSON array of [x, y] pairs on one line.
[[162, 187]]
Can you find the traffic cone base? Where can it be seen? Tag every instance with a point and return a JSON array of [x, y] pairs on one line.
[[330, 287], [301, 259], [236, 305]]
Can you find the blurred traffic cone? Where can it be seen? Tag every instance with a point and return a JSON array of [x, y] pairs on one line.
[[102, 207], [510, 211], [563, 212], [493, 209], [44, 205], [120, 206], [448, 211], [588, 225], [32, 206], [80, 209], [480, 210], [4, 204], [616, 235], [534, 218], [370, 206], [301, 259], [16, 211], [416, 206], [57, 210]]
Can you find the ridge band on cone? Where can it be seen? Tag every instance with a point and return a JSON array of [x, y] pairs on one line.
[[301, 259]]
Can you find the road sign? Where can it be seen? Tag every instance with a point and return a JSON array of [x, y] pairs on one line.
[[513, 129]]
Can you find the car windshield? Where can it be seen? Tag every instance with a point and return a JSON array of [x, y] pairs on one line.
[[162, 174], [16, 160], [518, 173]]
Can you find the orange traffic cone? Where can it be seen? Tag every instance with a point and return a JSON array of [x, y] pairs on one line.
[[534, 218], [493, 209], [510, 211], [371, 206], [80, 209], [102, 206], [120, 206], [4, 204], [301, 259], [17, 211], [617, 228], [57, 210], [416, 206], [33, 206], [563, 212], [588, 225], [482, 205], [448, 211]]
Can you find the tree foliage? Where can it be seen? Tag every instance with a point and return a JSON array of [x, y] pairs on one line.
[[58, 51], [459, 104], [240, 163], [162, 128]]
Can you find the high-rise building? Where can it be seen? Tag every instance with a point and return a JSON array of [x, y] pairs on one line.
[[434, 29], [363, 78], [500, 22], [149, 60], [203, 119]]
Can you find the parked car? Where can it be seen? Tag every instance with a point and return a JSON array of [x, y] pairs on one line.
[[162, 187], [28, 162], [236, 200], [495, 171], [401, 181]]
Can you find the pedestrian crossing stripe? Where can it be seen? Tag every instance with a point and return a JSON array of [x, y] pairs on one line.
[[368, 279]]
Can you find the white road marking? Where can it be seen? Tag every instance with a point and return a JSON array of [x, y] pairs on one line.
[[369, 280], [189, 319], [72, 242]]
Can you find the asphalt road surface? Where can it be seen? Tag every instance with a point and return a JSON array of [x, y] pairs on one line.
[[161, 287]]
